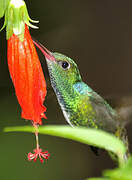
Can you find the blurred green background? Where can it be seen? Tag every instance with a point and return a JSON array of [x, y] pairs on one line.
[[97, 34]]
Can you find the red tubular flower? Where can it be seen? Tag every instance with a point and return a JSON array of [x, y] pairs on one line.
[[25, 69], [27, 77]]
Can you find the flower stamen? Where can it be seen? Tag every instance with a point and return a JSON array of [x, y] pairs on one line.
[[38, 152]]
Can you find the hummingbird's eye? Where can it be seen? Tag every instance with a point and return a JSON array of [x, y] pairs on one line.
[[64, 64]]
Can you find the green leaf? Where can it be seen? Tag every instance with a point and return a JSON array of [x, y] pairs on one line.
[[123, 173], [3, 6], [88, 136]]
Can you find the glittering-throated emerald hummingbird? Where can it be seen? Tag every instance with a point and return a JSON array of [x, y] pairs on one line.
[[81, 105]]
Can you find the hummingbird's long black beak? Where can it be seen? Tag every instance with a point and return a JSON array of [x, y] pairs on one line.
[[48, 55]]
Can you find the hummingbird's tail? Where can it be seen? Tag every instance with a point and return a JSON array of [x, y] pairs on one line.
[[124, 138], [121, 133]]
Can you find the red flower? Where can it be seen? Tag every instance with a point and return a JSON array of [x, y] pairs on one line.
[[27, 77], [25, 68]]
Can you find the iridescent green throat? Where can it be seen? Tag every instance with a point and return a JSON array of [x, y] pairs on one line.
[[75, 103]]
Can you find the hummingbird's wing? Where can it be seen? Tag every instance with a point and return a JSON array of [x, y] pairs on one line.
[[107, 118]]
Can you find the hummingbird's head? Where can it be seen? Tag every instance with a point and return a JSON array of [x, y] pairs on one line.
[[62, 69]]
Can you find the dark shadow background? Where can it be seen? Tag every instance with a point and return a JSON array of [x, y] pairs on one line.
[[97, 34]]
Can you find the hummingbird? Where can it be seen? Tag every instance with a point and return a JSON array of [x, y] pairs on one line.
[[80, 104]]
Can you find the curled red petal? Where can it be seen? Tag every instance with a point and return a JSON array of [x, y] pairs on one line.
[[27, 76], [30, 156]]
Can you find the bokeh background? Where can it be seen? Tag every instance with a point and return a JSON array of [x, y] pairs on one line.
[[97, 34]]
